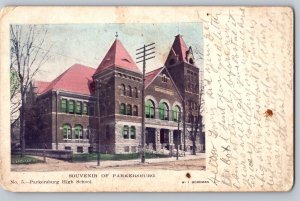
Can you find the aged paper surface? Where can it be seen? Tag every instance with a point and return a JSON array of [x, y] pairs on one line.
[[248, 91]]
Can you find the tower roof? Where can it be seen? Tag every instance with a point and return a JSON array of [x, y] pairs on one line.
[[76, 79], [179, 48], [118, 56]]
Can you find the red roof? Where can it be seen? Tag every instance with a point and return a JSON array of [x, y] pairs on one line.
[[118, 56], [151, 76], [41, 86], [76, 79], [179, 48]]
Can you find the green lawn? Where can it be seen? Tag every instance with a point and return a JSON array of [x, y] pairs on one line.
[[17, 159], [116, 157]]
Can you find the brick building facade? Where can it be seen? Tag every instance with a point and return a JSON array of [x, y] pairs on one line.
[[85, 107]]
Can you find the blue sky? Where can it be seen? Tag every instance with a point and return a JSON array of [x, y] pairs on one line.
[[87, 44]]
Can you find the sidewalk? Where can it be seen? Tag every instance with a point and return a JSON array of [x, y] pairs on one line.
[[147, 161]]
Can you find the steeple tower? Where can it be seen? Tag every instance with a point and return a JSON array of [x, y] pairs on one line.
[[181, 66], [117, 57]]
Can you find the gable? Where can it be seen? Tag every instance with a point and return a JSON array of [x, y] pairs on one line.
[[163, 85]]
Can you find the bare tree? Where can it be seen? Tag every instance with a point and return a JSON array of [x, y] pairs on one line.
[[27, 57], [197, 122]]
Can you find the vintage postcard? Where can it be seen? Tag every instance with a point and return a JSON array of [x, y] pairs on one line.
[[147, 99]]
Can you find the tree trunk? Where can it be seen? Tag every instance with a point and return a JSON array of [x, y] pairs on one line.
[[22, 124], [194, 146]]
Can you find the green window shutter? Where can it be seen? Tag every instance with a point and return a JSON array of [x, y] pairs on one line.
[[65, 130], [84, 109], [78, 107], [147, 108], [161, 111], [71, 106], [176, 113], [63, 105], [78, 131]]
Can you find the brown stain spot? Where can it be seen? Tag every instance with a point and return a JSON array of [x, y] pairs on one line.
[[207, 14], [188, 175], [268, 113]]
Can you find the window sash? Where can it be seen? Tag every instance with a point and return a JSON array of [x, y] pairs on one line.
[[125, 132], [71, 106], [67, 132], [78, 132], [84, 108], [63, 105], [132, 133], [122, 108], [78, 107]]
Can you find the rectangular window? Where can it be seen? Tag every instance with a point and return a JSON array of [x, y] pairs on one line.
[[63, 105], [84, 109], [126, 149], [78, 107], [71, 106], [125, 131], [68, 148], [79, 149], [133, 149]]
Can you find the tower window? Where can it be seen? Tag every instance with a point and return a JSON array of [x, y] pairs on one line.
[[171, 62], [122, 90], [122, 108], [135, 110], [132, 132], [191, 61], [125, 132], [129, 110], [164, 78]]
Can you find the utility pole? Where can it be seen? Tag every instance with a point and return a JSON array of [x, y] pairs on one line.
[[178, 134], [99, 128], [145, 55]]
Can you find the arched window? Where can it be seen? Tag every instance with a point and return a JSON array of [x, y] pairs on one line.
[[67, 131], [129, 91], [132, 132], [164, 78], [136, 92], [135, 110], [129, 109], [122, 90], [125, 132], [176, 113], [122, 108], [163, 111], [149, 109], [78, 132]]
